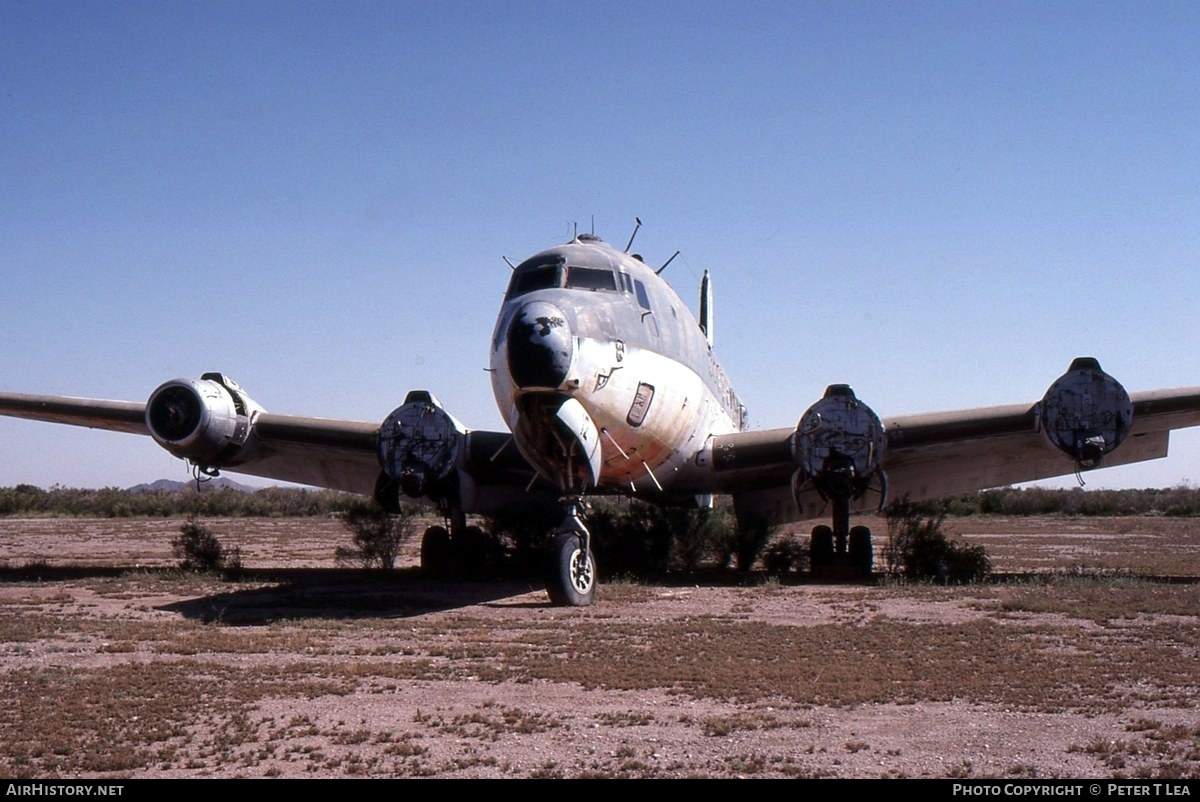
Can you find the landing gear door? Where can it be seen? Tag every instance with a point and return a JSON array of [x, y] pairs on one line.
[[587, 438]]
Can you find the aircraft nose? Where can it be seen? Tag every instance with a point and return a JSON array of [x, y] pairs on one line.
[[539, 346]]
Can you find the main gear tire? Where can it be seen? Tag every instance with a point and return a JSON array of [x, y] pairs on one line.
[[437, 553]]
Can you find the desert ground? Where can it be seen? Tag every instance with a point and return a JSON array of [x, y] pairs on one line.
[[1080, 659]]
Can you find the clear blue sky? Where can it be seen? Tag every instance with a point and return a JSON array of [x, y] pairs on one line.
[[939, 203]]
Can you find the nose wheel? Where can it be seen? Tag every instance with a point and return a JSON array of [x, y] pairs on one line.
[[571, 568]]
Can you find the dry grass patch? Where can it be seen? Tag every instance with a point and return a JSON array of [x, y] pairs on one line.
[[1101, 599], [880, 661], [63, 722], [719, 726], [1155, 751]]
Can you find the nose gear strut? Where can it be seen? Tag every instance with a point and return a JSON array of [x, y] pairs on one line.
[[571, 568]]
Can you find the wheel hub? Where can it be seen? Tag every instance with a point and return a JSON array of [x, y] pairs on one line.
[[581, 571]]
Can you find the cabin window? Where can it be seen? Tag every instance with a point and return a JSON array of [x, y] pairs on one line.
[[590, 278], [626, 282], [535, 276]]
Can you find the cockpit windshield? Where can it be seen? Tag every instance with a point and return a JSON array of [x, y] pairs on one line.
[[590, 278], [547, 274], [531, 276]]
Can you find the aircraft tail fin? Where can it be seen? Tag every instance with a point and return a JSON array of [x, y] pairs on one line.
[[706, 308]]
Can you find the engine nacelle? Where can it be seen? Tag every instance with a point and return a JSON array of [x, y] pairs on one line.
[[419, 444], [207, 421], [838, 445], [1086, 413]]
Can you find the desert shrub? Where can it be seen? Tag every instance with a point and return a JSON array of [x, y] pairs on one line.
[[700, 537], [229, 502], [750, 537], [788, 553], [525, 528], [917, 547], [1186, 509], [631, 537], [962, 506], [377, 535], [1180, 500], [198, 549], [189, 500], [634, 536]]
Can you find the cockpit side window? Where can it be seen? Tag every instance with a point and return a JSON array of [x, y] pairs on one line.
[[590, 278], [643, 298], [531, 276]]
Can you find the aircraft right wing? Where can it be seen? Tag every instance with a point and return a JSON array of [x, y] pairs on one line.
[[1085, 420]]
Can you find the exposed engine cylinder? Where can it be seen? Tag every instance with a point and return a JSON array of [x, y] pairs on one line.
[[1086, 413], [207, 421], [419, 443], [838, 444]]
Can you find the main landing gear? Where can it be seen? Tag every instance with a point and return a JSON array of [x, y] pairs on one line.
[[841, 550], [455, 548], [850, 554], [569, 567]]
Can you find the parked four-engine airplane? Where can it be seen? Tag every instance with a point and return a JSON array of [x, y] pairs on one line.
[[610, 385]]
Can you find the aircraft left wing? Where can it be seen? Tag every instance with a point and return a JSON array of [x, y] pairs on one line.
[[1085, 420], [213, 424]]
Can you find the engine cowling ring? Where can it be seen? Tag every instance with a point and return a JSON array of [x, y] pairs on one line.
[[1085, 413], [419, 445], [207, 421], [838, 445]]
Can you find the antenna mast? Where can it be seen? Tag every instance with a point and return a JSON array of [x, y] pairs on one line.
[[664, 267], [629, 244]]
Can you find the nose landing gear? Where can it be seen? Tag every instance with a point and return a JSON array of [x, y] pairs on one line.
[[571, 568]]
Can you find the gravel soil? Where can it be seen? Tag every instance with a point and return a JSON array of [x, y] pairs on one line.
[[115, 665]]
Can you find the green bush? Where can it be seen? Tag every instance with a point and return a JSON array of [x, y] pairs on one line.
[[789, 553], [750, 537], [918, 549], [634, 536], [700, 537], [225, 502], [377, 535], [198, 549]]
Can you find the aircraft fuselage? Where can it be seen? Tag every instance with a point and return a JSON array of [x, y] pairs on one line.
[[587, 328]]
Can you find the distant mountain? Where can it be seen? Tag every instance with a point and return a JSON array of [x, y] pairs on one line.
[[171, 485]]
